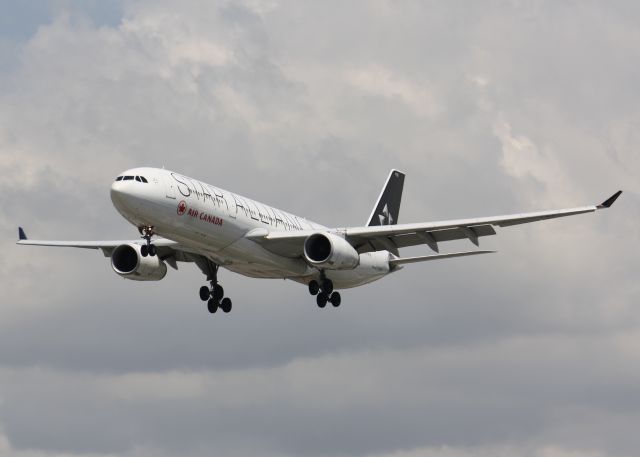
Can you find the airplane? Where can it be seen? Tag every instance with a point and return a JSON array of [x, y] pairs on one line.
[[197, 222]]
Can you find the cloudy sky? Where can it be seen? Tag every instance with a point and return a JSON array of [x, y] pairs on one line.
[[490, 107]]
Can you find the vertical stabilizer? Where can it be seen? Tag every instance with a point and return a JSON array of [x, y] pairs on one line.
[[387, 208]]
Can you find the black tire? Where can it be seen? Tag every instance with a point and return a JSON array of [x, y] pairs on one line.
[[144, 250], [217, 292], [152, 250], [204, 293], [212, 305], [335, 299], [321, 299], [225, 305], [327, 286], [314, 287]]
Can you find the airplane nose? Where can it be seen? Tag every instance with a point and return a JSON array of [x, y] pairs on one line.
[[132, 194], [120, 194], [116, 190]]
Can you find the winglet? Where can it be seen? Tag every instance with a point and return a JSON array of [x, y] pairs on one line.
[[609, 201], [21, 235]]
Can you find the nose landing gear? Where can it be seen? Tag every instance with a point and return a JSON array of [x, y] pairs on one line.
[[148, 249], [324, 292]]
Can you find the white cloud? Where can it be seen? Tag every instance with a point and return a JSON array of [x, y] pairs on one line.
[[382, 82], [524, 160]]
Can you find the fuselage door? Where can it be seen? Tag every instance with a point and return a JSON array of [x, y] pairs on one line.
[[169, 185]]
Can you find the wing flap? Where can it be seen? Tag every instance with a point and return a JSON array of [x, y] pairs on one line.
[[429, 237]]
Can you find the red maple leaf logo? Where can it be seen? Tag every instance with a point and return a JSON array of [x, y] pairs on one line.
[[182, 208]]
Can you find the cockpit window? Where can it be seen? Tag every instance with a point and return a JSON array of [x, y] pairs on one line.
[[131, 178]]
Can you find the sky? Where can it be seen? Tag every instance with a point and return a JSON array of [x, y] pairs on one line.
[[490, 107]]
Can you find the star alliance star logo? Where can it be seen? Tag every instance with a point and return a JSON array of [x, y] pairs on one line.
[[385, 217]]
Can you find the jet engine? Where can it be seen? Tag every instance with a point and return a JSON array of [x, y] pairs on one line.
[[326, 250], [127, 261]]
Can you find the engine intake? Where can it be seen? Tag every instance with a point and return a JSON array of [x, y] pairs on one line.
[[127, 261], [326, 250]]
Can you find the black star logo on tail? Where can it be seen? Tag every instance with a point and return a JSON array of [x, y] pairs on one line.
[[385, 216]]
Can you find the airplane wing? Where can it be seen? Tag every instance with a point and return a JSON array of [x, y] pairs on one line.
[[168, 250], [393, 237], [104, 245]]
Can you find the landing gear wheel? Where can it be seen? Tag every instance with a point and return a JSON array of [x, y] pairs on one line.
[[322, 299], [327, 286], [204, 293], [214, 294], [147, 232], [225, 305], [212, 305], [314, 287], [217, 292], [335, 299]]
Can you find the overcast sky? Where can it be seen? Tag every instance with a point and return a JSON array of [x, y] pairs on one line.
[[490, 108]]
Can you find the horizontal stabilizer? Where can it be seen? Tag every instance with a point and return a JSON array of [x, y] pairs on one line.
[[424, 258]]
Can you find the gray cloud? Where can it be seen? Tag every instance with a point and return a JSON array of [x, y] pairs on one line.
[[490, 108]]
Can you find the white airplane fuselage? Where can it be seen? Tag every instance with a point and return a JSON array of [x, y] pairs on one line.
[[213, 222]]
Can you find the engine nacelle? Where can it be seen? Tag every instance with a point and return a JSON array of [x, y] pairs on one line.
[[127, 261], [326, 250]]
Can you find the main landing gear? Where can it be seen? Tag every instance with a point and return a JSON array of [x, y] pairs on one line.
[[214, 295], [324, 293], [147, 249]]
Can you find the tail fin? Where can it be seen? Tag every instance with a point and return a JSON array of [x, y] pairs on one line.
[[387, 208]]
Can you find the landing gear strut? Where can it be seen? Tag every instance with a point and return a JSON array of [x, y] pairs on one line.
[[324, 292], [148, 249], [214, 295]]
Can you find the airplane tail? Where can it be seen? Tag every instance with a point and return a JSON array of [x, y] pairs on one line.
[[387, 208]]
